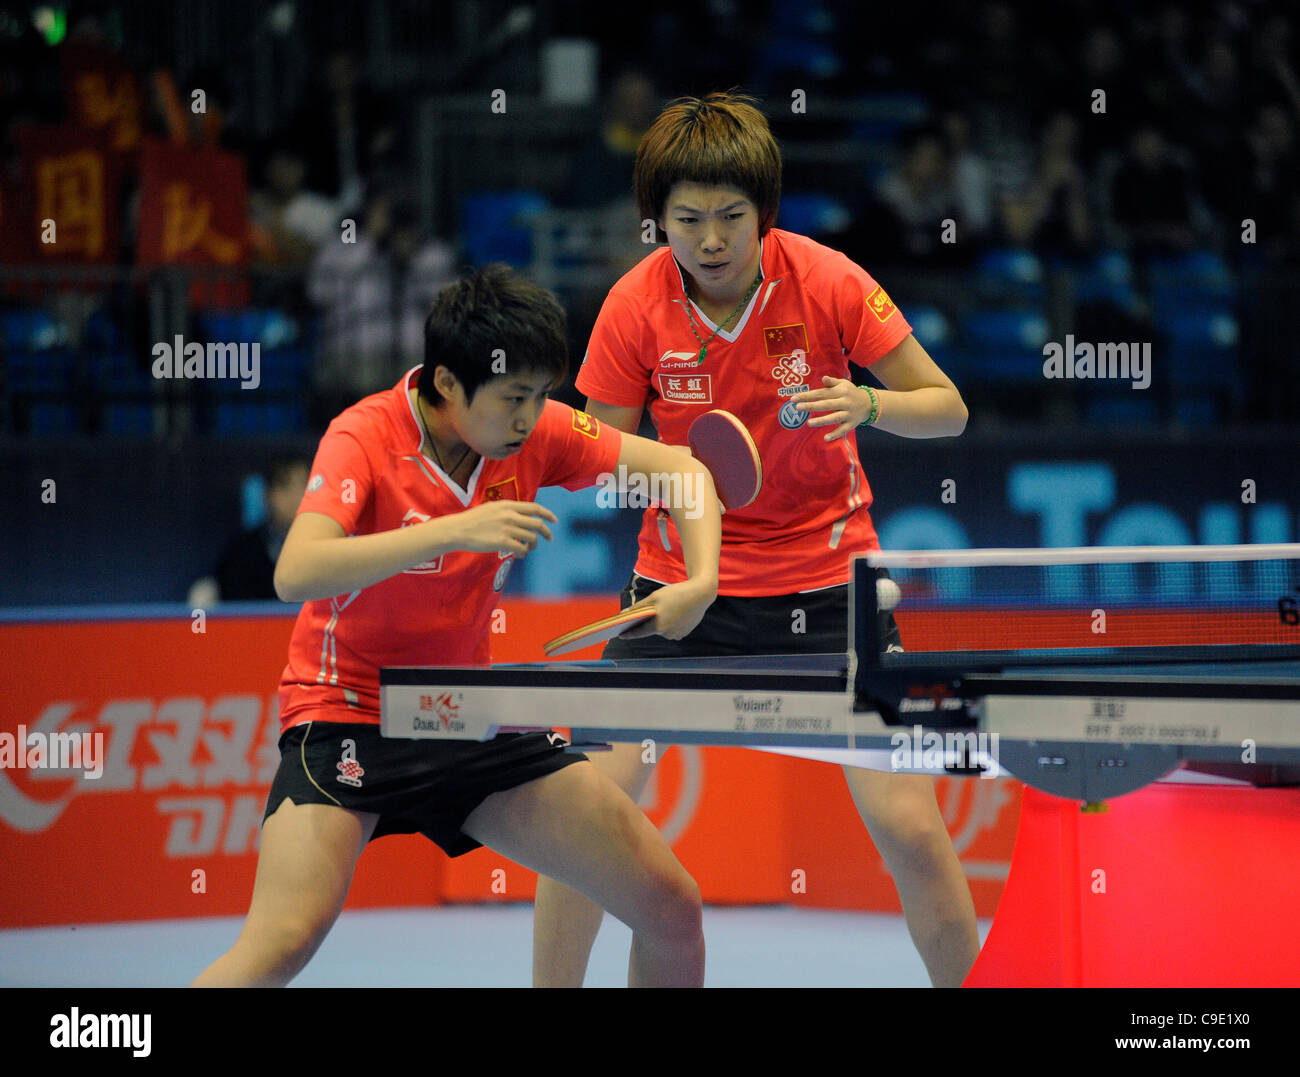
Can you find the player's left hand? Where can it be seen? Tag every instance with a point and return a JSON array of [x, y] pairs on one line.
[[678, 607], [842, 401]]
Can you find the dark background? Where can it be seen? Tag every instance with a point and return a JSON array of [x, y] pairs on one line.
[[1122, 225]]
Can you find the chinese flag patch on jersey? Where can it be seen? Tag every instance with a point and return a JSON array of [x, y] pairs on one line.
[[585, 424], [783, 339], [880, 304], [505, 490]]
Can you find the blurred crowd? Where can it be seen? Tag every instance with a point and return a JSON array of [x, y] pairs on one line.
[[1065, 129]]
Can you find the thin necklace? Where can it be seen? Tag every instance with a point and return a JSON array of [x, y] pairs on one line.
[[704, 344], [419, 410]]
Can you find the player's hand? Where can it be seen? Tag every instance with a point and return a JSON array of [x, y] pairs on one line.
[[679, 607], [843, 403], [502, 526]]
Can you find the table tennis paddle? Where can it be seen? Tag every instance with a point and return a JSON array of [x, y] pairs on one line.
[[598, 631], [721, 443]]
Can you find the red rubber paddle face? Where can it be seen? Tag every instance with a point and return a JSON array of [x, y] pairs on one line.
[[598, 631], [722, 444]]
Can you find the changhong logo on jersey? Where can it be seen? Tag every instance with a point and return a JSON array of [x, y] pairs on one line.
[[686, 388]]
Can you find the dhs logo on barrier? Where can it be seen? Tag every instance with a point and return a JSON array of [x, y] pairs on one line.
[[791, 417]]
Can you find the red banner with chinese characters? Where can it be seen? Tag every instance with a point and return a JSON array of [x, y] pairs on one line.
[[103, 93], [194, 212], [15, 225], [187, 714], [69, 210]]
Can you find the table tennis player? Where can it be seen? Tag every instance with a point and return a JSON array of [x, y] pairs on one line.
[[419, 500], [734, 314]]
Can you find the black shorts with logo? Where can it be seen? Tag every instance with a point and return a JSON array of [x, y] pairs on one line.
[[415, 786], [809, 622]]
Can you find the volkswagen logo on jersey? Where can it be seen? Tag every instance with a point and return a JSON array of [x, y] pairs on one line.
[[791, 417], [503, 570]]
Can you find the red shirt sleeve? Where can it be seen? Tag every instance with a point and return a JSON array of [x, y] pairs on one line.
[[341, 478], [869, 324], [576, 448], [616, 370]]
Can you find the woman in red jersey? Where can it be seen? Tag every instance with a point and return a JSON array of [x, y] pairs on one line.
[[419, 500], [735, 315]]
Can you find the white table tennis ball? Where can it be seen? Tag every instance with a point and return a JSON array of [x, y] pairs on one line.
[[887, 594]]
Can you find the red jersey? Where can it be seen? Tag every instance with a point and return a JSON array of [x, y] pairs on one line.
[[370, 476], [814, 312]]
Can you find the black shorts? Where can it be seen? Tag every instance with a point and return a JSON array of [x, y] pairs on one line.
[[415, 786], [810, 622]]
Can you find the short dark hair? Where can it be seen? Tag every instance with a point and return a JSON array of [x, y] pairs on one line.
[[720, 140], [491, 315]]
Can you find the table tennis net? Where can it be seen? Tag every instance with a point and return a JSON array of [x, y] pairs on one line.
[[1125, 603]]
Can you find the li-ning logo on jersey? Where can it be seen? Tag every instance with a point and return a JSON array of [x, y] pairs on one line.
[[671, 359], [410, 520], [350, 771]]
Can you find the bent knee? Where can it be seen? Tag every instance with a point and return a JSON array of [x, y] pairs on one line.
[[285, 946], [677, 907], [919, 839]]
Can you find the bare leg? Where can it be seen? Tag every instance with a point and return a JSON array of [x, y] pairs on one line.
[[308, 855], [565, 923], [579, 828], [903, 818]]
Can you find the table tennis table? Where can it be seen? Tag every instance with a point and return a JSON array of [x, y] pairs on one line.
[[1097, 724], [1092, 727]]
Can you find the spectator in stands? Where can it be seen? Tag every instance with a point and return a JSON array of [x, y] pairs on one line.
[[1104, 64], [1214, 125], [246, 570], [346, 133], [1272, 171], [1152, 198], [1051, 215], [374, 294], [914, 199], [289, 221], [601, 169], [971, 176]]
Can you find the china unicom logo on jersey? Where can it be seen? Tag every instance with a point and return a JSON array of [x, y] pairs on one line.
[[350, 771]]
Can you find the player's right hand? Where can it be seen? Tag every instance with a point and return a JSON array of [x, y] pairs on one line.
[[502, 526]]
